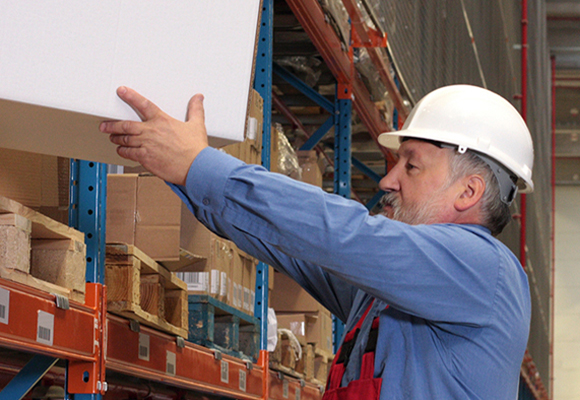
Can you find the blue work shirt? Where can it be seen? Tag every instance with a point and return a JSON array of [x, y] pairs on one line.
[[459, 307]]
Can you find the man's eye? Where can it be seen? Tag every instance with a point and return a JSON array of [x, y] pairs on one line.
[[410, 166]]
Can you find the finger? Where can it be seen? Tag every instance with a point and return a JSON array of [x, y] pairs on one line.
[[142, 106], [121, 127], [125, 140], [131, 153], [195, 108]]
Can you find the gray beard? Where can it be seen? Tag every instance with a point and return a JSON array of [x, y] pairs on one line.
[[426, 213]]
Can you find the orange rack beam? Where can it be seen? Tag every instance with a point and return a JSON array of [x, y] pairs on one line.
[[72, 332], [151, 354]]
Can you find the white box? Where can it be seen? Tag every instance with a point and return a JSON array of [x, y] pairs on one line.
[[62, 60]]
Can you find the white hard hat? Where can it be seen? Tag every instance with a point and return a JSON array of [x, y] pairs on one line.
[[476, 119]]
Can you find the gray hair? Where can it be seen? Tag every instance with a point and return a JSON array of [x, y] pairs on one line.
[[496, 213]]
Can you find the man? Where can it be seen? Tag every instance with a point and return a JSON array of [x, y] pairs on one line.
[[435, 307]]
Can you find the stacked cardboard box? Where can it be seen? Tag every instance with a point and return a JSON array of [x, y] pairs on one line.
[[301, 313], [217, 267], [250, 150], [143, 211], [37, 181]]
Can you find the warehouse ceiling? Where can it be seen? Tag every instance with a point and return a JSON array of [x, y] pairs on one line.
[[564, 41]]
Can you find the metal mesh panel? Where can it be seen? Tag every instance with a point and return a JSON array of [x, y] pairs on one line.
[[540, 202]]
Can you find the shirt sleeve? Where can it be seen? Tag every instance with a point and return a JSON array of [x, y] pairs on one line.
[[329, 244]]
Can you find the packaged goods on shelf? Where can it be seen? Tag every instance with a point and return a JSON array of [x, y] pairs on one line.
[[289, 297], [37, 181], [40, 252], [315, 328], [139, 288], [143, 211], [308, 161], [283, 158], [250, 150], [55, 108]]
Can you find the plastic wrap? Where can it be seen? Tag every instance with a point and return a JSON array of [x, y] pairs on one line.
[[285, 156], [304, 67]]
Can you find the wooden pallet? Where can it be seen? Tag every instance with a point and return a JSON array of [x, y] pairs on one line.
[[322, 363], [141, 289], [40, 252], [214, 324]]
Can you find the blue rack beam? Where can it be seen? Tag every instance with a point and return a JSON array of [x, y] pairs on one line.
[[263, 84], [28, 376]]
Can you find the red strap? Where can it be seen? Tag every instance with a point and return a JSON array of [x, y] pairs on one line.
[[337, 370]]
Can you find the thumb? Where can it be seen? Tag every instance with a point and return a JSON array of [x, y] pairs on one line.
[[195, 108]]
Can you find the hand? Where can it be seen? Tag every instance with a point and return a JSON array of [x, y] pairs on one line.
[[164, 145]]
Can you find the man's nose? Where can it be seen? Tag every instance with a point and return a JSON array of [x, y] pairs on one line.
[[390, 182]]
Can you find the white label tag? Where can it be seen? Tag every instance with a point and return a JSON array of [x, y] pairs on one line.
[[242, 380], [214, 284], [225, 372], [4, 305], [196, 281], [224, 284], [285, 388], [45, 328], [171, 361], [144, 346]]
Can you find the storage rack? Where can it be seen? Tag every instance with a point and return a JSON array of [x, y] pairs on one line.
[[83, 333]]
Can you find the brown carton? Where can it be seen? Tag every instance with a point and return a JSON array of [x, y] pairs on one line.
[[143, 211], [289, 297]]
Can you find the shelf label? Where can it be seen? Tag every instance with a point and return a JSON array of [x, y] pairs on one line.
[[4, 305], [285, 388], [225, 371], [144, 346], [297, 393], [242, 380], [170, 365], [45, 328]]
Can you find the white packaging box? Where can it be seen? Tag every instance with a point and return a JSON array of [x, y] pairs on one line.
[[61, 62]]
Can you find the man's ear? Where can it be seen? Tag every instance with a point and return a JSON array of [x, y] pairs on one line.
[[473, 187]]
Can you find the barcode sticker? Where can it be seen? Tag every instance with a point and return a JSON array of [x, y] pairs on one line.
[[225, 371], [285, 388], [252, 301], [144, 341], [246, 305], [224, 284], [4, 305], [171, 361], [237, 295], [196, 281], [45, 328], [214, 284], [242, 380]]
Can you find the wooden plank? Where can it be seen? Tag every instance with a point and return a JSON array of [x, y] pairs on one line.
[[40, 252], [139, 288], [42, 226]]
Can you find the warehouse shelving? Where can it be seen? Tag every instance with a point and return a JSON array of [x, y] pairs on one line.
[[84, 333]]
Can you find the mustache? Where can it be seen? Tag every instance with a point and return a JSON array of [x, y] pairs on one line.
[[389, 199]]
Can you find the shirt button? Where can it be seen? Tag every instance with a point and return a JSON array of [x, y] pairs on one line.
[[205, 202]]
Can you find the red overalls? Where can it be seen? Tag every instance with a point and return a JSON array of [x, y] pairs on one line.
[[366, 387]]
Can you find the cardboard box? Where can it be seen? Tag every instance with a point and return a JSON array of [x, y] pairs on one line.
[[289, 297], [34, 180], [308, 161], [143, 211], [64, 60], [213, 272], [314, 327], [250, 150]]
